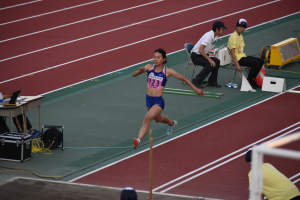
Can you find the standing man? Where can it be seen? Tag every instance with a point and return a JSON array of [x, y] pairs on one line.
[[276, 186], [200, 56], [236, 45]]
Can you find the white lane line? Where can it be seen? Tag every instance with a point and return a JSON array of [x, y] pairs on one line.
[[132, 43], [179, 136], [208, 170], [294, 176], [229, 155], [21, 4], [55, 11], [295, 181], [101, 33], [83, 20], [147, 61]]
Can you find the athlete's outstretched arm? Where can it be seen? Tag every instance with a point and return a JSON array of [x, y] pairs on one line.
[[141, 70], [180, 77]]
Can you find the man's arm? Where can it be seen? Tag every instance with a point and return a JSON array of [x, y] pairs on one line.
[[201, 50], [238, 67]]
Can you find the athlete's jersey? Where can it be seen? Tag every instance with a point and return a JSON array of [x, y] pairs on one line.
[[156, 79]]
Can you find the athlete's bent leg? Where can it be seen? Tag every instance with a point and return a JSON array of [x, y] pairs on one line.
[[153, 112], [164, 119]]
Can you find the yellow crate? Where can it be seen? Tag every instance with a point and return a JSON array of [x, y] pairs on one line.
[[284, 52]]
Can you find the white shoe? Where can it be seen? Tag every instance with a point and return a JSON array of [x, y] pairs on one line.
[[170, 129]]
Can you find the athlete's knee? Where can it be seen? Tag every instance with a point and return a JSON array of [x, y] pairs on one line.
[[158, 119], [148, 118]]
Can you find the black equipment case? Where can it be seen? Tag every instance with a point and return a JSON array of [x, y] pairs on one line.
[[15, 147]]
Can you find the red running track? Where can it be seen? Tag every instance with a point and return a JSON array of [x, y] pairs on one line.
[[205, 145], [170, 32], [109, 51]]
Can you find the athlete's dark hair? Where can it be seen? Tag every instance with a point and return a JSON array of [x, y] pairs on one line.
[[163, 53]]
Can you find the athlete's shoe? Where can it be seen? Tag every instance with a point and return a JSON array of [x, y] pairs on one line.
[[170, 129], [136, 143]]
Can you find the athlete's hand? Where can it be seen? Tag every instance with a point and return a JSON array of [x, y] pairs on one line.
[[200, 92], [142, 69]]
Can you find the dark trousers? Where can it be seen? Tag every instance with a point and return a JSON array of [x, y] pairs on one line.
[[3, 126], [254, 63], [296, 198], [207, 68], [18, 121]]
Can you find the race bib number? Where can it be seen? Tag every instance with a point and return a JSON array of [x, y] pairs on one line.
[[154, 83]]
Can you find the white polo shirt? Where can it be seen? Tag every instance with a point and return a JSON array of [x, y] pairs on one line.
[[208, 40]]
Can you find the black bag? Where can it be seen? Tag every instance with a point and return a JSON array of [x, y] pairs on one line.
[[15, 146]]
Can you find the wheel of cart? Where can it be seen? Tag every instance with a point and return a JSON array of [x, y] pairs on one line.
[[53, 136]]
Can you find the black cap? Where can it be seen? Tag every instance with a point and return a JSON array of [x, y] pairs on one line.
[[242, 22], [128, 194], [248, 156], [219, 24]]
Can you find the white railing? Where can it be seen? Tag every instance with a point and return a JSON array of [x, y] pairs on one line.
[[269, 148]]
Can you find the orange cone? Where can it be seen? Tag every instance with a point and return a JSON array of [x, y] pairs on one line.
[[260, 76]]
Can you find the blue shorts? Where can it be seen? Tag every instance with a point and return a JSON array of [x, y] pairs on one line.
[[159, 101]]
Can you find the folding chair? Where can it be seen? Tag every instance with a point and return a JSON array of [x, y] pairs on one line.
[[188, 48], [232, 64]]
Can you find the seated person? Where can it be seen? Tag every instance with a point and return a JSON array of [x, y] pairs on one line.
[[18, 121], [236, 45], [200, 56]]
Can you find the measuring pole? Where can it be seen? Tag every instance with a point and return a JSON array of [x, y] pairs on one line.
[[151, 165]]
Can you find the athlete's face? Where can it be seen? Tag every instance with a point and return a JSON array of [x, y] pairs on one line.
[[158, 58]]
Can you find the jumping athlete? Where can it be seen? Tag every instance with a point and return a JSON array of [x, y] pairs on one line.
[[158, 75]]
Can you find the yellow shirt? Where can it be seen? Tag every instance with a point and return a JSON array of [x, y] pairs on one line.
[[276, 186], [237, 42]]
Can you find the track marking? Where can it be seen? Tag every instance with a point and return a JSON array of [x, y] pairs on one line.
[[295, 176], [228, 155], [295, 181], [21, 4], [208, 170], [83, 20], [136, 42], [64, 9], [178, 137], [101, 33]]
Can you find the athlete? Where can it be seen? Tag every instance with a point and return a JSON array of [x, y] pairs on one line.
[[158, 75]]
